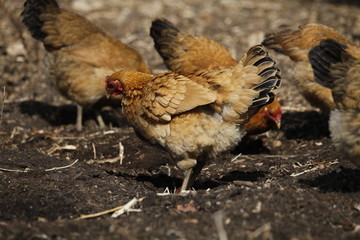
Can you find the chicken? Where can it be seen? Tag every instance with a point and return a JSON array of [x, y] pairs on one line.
[[187, 54], [81, 54], [296, 44], [196, 116], [336, 68]]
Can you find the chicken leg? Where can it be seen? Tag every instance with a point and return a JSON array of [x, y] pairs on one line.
[[186, 166], [99, 119], [79, 114], [191, 169], [79, 118]]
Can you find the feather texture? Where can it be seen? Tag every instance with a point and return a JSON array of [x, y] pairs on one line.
[[200, 114], [81, 54], [188, 54], [337, 69]]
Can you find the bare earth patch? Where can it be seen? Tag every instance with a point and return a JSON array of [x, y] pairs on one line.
[[287, 184]]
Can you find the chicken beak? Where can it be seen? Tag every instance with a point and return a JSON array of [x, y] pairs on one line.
[[108, 95], [278, 124]]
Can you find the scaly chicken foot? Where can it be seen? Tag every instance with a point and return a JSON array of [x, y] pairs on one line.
[[186, 166]]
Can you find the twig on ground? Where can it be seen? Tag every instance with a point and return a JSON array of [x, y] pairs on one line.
[[236, 157], [17, 100], [165, 193], [63, 167], [125, 208], [285, 156], [218, 218], [177, 192], [94, 215], [121, 153], [94, 150], [13, 132], [266, 156], [102, 161], [57, 147], [46, 170], [110, 160], [112, 131], [14, 170], [88, 136], [318, 166], [67, 138], [305, 171]]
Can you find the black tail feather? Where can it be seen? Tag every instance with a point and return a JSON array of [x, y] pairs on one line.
[[164, 33], [270, 42], [322, 56], [158, 26], [31, 15], [268, 71]]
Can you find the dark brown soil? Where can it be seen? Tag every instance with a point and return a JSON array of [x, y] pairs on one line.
[[287, 184]]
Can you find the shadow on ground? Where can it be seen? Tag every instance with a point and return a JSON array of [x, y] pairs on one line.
[[309, 125], [340, 180]]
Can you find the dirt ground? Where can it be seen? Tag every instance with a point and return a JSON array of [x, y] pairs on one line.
[[286, 184]]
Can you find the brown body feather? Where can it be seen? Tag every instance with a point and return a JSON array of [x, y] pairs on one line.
[[196, 116], [81, 54], [296, 44], [336, 68], [187, 54]]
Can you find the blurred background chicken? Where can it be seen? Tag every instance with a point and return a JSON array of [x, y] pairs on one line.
[[336, 68], [81, 53], [195, 116], [187, 54], [296, 44]]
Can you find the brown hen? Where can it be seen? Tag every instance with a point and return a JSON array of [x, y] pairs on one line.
[[336, 68], [199, 115], [296, 44], [81, 54], [187, 54]]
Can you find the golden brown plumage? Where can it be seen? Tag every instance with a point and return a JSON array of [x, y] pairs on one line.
[[296, 44], [196, 116], [187, 54], [336, 68], [82, 54]]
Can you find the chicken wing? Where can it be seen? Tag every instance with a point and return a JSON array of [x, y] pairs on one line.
[[198, 115], [296, 44], [187, 54], [81, 54], [336, 68]]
